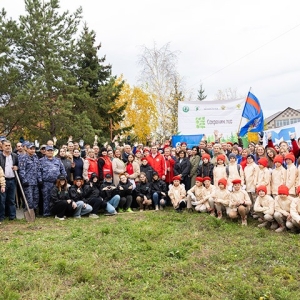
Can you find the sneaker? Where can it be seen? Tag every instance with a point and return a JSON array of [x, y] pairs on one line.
[[219, 215], [111, 214], [156, 207], [77, 217], [264, 224], [244, 222], [161, 207], [212, 213], [121, 210], [129, 210], [141, 210], [93, 216], [254, 216], [58, 218], [280, 229]]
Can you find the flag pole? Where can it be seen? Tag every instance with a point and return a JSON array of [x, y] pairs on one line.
[[243, 111]]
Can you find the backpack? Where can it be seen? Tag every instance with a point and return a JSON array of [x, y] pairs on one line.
[[238, 168]]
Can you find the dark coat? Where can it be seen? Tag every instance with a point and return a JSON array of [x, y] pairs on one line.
[[182, 167], [143, 189], [126, 191]]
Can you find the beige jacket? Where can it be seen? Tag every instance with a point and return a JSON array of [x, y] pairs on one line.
[[221, 196], [136, 171], [197, 191], [283, 206], [264, 178], [278, 178], [251, 175], [2, 178], [265, 205], [295, 209], [219, 172], [239, 197], [118, 167], [233, 173], [176, 194], [291, 178]]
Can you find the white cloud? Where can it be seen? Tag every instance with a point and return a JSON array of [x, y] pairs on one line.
[[213, 37]]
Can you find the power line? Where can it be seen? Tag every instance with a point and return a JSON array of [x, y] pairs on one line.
[[242, 57]]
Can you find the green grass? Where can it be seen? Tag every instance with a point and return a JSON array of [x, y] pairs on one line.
[[150, 255]]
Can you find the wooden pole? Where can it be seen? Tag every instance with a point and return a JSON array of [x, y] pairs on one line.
[[242, 113]]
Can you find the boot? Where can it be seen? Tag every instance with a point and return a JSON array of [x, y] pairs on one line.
[[244, 222], [264, 224], [274, 225], [219, 214], [281, 228]]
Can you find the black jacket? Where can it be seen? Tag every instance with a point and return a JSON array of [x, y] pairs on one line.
[[143, 189], [107, 194], [15, 160], [57, 196], [182, 167], [77, 194], [126, 191], [148, 170], [158, 186], [206, 170]]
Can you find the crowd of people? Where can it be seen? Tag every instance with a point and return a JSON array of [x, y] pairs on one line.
[[221, 178]]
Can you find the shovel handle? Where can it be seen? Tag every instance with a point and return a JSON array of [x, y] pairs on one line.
[[21, 188]]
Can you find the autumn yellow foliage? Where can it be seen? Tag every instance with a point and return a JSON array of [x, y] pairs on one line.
[[140, 111]]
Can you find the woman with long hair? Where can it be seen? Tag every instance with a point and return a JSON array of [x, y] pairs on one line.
[[182, 168], [124, 189], [132, 169], [118, 166], [194, 160], [61, 204]]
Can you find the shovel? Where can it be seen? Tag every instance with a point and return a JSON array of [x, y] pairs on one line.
[[28, 213]]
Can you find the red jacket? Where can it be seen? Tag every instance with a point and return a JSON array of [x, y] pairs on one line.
[[169, 164], [157, 163]]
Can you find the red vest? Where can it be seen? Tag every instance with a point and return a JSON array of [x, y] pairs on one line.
[[107, 167], [93, 166]]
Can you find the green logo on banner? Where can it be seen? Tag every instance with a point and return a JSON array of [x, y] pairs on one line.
[[185, 109], [200, 122]]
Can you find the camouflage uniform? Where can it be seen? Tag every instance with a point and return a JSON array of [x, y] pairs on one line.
[[50, 169], [31, 177]]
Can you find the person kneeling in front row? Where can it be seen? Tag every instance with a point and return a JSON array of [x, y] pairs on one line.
[[239, 203], [177, 194], [61, 204], [264, 206]]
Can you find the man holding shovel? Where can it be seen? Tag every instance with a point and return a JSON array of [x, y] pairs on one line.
[[30, 175]]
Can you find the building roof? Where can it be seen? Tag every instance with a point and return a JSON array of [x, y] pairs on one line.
[[272, 117]]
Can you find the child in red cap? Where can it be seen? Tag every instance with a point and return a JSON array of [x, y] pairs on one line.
[[240, 202], [222, 198], [195, 193], [264, 174], [282, 208], [220, 169], [207, 203], [177, 194], [291, 173], [264, 206], [278, 175], [205, 167]]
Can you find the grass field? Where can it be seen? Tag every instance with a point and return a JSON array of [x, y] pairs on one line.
[[150, 255]]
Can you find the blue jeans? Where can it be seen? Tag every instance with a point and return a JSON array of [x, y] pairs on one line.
[[156, 198], [80, 211], [112, 204], [7, 199]]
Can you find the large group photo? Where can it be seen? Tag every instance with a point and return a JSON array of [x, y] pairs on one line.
[[149, 150]]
